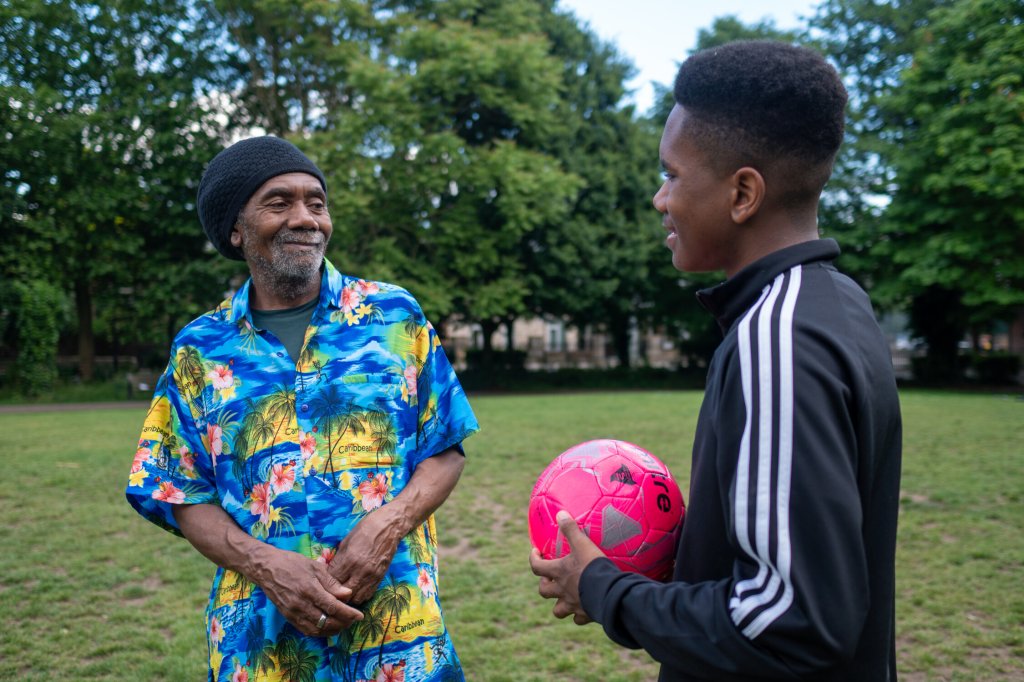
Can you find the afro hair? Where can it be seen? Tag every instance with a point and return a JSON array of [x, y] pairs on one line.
[[766, 104]]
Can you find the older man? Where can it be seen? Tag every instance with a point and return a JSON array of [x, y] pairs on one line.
[[301, 438]]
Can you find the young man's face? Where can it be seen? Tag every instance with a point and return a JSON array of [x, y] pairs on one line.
[[694, 203], [285, 229]]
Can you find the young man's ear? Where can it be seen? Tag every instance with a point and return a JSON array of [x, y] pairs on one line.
[[748, 190]]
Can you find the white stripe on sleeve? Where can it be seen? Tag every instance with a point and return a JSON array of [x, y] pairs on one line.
[[759, 601]]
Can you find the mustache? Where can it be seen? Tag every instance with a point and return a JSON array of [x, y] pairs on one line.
[[313, 239]]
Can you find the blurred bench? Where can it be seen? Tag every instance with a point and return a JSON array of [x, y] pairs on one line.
[[141, 381]]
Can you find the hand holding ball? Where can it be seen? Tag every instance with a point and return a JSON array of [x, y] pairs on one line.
[[622, 496]]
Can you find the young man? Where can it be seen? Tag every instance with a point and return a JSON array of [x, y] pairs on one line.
[[301, 438], [785, 566]]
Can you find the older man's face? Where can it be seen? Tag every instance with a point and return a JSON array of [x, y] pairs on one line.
[[283, 231]]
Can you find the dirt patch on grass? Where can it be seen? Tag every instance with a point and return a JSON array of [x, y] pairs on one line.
[[915, 498], [137, 594], [634, 660], [462, 549]]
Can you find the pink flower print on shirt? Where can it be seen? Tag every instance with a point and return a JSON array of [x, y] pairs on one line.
[[426, 584], [282, 477], [214, 436], [350, 299], [392, 672], [221, 377], [216, 631], [326, 555], [367, 288], [260, 497], [168, 493], [411, 374], [241, 674], [307, 443], [372, 491], [141, 455], [188, 459]]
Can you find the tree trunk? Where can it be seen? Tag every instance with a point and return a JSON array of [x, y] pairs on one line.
[[938, 316], [486, 358], [619, 329], [487, 328], [509, 335], [86, 342]]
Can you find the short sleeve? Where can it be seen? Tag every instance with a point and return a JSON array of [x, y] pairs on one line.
[[445, 418], [172, 463]]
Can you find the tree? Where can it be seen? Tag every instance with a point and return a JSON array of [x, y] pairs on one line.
[[955, 228], [442, 191], [870, 43], [905, 62], [729, 28], [106, 131], [594, 267]]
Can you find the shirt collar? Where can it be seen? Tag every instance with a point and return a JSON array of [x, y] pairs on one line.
[[331, 284], [730, 299]]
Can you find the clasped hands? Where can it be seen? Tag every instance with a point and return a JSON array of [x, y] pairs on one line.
[[560, 578], [303, 589]]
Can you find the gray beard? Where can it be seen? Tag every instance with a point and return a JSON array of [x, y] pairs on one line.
[[284, 275]]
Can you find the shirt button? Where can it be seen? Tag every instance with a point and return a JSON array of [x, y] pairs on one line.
[[319, 533], [280, 354], [305, 408]]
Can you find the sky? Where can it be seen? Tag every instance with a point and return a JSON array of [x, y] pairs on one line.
[[658, 34]]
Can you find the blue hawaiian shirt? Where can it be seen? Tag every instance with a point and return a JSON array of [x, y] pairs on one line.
[[297, 453]]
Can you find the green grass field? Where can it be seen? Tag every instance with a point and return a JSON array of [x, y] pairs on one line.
[[89, 591]]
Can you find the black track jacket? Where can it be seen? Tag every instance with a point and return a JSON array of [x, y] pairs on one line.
[[785, 567]]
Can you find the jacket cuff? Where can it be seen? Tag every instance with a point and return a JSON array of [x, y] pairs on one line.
[[602, 586]]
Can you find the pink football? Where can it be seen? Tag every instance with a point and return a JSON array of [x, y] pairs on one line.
[[622, 496]]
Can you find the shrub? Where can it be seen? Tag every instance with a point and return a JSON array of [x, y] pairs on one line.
[[999, 368], [39, 309]]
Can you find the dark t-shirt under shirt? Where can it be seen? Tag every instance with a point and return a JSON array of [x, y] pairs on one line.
[[288, 325]]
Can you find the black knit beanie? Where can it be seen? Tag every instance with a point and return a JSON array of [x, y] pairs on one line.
[[235, 174]]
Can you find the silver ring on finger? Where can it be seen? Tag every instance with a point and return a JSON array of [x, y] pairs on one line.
[[322, 622]]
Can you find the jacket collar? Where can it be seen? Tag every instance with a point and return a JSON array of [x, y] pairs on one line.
[[730, 299]]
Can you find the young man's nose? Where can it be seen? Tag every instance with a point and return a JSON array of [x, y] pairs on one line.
[[659, 198]]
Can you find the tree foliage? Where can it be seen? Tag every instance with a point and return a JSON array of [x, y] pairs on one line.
[[955, 227], [105, 130], [930, 205], [479, 152]]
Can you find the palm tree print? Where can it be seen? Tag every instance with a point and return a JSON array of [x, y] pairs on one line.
[[189, 372], [258, 648], [279, 409], [336, 417], [371, 628], [255, 429], [393, 599], [418, 552], [298, 661], [382, 431]]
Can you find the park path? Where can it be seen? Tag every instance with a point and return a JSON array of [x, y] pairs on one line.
[[69, 407]]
